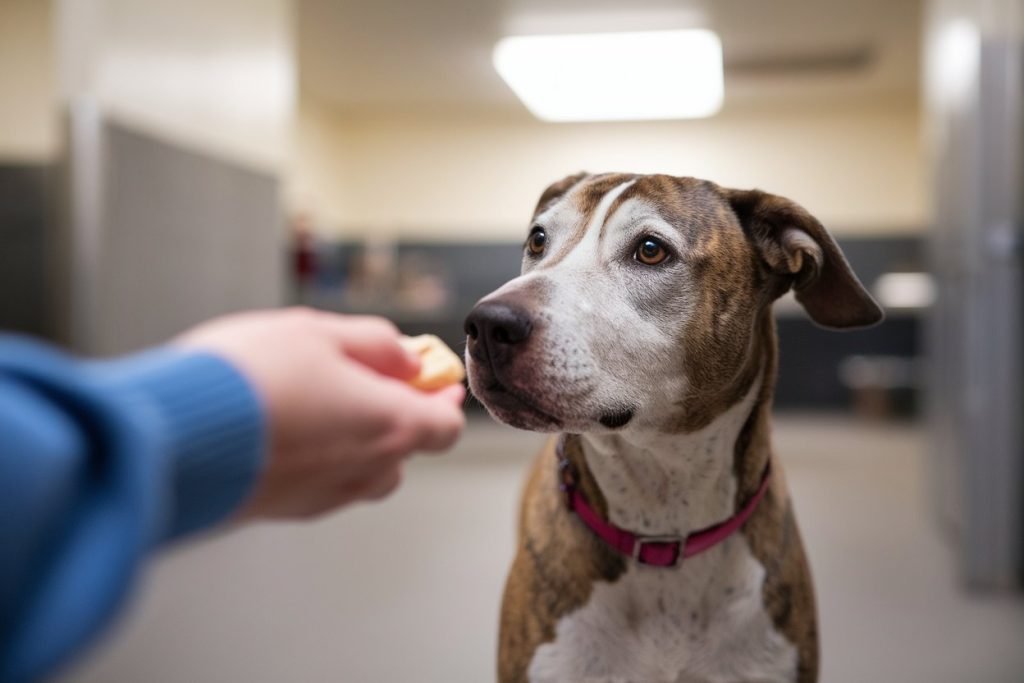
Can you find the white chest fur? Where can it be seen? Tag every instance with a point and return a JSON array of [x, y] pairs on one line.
[[702, 622]]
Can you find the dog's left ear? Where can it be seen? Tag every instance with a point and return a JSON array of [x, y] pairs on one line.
[[797, 247], [558, 189]]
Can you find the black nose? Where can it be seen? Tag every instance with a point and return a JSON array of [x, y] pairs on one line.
[[497, 324]]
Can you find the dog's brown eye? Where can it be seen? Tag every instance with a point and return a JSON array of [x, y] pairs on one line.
[[650, 252], [536, 242]]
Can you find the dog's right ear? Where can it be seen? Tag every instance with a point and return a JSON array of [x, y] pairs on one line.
[[798, 249], [557, 189]]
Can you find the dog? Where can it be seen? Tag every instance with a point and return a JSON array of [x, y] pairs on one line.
[[657, 541]]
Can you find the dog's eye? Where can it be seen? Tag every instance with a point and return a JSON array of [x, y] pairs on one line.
[[650, 252], [537, 240]]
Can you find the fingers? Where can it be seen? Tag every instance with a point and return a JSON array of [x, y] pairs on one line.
[[417, 421], [383, 485], [438, 420], [455, 394], [372, 342]]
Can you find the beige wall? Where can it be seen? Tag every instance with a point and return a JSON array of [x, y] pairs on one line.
[[28, 125], [859, 169], [218, 76]]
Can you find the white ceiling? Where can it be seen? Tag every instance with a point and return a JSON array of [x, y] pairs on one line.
[[369, 56]]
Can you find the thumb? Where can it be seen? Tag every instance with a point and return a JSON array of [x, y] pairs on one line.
[[374, 343]]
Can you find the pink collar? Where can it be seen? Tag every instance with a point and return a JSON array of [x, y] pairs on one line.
[[657, 551]]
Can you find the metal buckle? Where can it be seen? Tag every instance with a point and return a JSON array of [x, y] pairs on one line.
[[640, 542]]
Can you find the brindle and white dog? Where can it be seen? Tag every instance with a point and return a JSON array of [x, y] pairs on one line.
[[641, 329]]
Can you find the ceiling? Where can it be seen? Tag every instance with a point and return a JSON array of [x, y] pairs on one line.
[[374, 56]]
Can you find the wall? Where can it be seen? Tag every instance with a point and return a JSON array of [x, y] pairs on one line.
[[28, 146], [28, 122], [25, 222], [975, 105], [859, 169], [185, 237], [178, 120], [214, 76]]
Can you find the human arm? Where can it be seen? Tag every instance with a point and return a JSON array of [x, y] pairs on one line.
[[286, 413]]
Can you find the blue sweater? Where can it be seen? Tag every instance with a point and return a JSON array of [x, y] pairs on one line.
[[100, 464]]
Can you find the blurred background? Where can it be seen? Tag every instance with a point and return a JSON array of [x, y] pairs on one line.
[[164, 161]]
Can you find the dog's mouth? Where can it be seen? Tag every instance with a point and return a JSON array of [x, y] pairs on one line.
[[512, 407]]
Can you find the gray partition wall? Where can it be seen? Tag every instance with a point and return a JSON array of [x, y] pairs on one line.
[[975, 68], [26, 228], [159, 237]]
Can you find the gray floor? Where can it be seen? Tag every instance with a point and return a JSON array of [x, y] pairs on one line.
[[409, 590]]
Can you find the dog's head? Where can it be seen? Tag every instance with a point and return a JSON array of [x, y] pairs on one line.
[[639, 299]]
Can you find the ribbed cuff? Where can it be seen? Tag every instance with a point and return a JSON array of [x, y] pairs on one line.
[[213, 426]]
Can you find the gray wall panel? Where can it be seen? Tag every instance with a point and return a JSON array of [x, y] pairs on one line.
[[25, 227], [181, 237]]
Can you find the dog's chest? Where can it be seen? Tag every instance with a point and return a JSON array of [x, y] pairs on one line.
[[703, 622]]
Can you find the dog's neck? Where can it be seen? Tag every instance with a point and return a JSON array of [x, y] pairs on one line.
[[671, 484]]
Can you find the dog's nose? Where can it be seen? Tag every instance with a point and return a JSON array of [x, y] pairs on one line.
[[497, 324]]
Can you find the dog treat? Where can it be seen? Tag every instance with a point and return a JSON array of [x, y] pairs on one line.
[[441, 367]]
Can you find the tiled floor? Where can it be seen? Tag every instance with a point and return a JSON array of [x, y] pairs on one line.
[[409, 590]]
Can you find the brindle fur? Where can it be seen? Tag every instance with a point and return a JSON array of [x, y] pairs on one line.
[[559, 559], [737, 247], [557, 564], [772, 531]]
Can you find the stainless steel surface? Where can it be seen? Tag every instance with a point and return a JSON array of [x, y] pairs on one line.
[[975, 116]]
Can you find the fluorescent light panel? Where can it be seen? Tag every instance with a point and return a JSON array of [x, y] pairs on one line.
[[615, 76]]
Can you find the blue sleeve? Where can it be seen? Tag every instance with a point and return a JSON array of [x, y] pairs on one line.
[[101, 463]]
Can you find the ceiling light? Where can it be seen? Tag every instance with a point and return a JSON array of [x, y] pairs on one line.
[[615, 76]]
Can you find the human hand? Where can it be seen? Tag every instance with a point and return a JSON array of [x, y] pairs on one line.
[[341, 417]]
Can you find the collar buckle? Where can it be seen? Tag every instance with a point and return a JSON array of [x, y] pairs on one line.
[[643, 541]]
